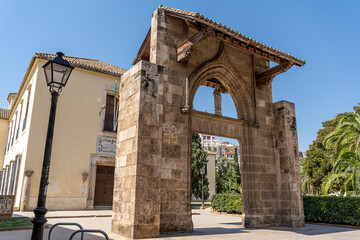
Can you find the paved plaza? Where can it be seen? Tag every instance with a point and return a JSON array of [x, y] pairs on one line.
[[207, 226]]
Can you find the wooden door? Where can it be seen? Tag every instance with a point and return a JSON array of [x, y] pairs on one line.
[[104, 186]]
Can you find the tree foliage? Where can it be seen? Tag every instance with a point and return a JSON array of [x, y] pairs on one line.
[[198, 161], [332, 162], [345, 140], [228, 179], [237, 166], [317, 164], [357, 109]]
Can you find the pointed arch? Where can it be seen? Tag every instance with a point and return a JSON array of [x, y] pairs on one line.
[[233, 83]]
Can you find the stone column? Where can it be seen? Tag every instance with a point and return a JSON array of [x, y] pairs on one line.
[[217, 101], [137, 199], [25, 195], [290, 212]]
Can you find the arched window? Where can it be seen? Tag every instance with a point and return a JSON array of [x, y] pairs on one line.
[[213, 97]]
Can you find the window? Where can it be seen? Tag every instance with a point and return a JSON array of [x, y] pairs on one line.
[[9, 136], [18, 127], [2, 175], [10, 178], [6, 183], [27, 108], [7, 145], [13, 133], [14, 175], [109, 113]]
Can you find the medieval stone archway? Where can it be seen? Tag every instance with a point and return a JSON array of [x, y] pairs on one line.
[[239, 129], [152, 185]]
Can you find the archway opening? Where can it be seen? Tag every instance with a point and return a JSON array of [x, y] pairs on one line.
[[218, 101], [220, 159]]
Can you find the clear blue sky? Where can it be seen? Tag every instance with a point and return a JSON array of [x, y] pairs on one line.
[[324, 33]]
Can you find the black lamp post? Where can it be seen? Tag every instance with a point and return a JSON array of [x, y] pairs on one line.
[[57, 72]]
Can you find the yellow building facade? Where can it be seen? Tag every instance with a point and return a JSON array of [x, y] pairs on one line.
[[211, 169], [83, 153], [4, 125]]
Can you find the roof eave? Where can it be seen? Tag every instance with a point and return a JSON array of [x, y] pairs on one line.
[[196, 17]]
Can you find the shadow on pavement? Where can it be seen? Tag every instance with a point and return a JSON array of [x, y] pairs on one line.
[[206, 231], [310, 229], [231, 223]]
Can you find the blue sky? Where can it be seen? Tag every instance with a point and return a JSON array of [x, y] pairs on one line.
[[324, 33]]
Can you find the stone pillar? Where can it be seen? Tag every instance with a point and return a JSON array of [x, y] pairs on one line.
[[217, 101], [290, 212], [25, 194], [137, 199], [175, 209]]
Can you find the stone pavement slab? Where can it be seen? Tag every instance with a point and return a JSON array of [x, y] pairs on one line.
[[206, 226]]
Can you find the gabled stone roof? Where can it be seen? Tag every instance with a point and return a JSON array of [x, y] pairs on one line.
[[200, 18], [88, 64], [4, 113]]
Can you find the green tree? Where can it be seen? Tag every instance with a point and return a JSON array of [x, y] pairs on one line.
[[317, 165], [221, 169], [237, 166], [198, 161], [227, 177], [345, 139], [305, 182]]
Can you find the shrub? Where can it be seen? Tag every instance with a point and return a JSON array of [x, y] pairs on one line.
[[332, 209], [230, 203]]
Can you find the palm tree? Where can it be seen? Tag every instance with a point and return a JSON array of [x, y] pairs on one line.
[[345, 173], [346, 140]]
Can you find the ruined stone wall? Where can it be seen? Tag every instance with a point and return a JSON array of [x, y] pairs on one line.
[[291, 211]]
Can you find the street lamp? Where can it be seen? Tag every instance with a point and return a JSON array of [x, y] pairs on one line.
[[57, 72], [202, 172]]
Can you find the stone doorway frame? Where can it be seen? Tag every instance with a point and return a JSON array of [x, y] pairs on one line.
[[96, 160]]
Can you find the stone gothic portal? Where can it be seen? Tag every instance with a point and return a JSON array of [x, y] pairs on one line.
[[152, 187]]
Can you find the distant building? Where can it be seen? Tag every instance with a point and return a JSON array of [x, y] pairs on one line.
[[210, 171], [209, 141], [226, 149]]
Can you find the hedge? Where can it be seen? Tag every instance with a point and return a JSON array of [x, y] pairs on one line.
[[230, 203], [325, 209], [332, 209]]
